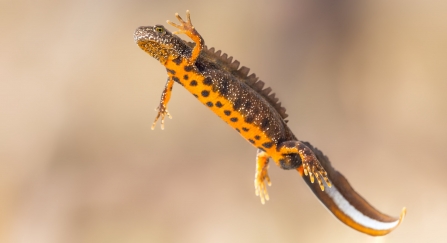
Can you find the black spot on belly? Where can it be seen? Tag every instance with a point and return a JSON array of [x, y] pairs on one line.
[[251, 141], [193, 83], [209, 104], [218, 104], [245, 129], [267, 145], [227, 112], [233, 119], [237, 129], [178, 60], [257, 137], [205, 93], [265, 123], [170, 71], [196, 96], [188, 68], [185, 77], [249, 119], [208, 81], [237, 104], [175, 79]]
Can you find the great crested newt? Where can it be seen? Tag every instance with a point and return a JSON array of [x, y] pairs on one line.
[[241, 100]]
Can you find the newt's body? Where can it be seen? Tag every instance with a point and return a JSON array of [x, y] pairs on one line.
[[240, 100]]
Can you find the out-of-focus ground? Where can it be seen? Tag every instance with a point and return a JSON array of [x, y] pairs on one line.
[[364, 82]]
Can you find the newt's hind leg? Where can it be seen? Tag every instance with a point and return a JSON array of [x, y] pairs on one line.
[[296, 153], [162, 107], [262, 161]]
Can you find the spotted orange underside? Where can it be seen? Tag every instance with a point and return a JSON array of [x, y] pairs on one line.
[[194, 83]]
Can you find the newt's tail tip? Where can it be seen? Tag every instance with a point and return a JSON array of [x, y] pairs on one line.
[[401, 217], [402, 214]]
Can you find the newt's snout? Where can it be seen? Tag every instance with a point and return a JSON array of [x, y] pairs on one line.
[[141, 33]]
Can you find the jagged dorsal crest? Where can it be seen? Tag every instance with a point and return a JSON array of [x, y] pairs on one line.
[[227, 63]]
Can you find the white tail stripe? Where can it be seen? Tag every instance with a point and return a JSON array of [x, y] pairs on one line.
[[356, 215]]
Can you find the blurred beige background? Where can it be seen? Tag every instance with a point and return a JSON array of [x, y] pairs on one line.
[[365, 82]]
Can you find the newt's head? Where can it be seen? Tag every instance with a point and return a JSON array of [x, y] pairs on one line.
[[159, 42]]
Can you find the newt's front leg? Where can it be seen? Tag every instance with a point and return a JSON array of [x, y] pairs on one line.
[[162, 107], [188, 29]]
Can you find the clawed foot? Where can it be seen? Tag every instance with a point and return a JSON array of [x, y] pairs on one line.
[[162, 112], [260, 187], [188, 29], [184, 27], [312, 167]]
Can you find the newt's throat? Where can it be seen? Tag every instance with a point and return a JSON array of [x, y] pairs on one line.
[[156, 50]]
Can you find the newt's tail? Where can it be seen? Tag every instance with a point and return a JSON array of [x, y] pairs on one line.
[[348, 206]]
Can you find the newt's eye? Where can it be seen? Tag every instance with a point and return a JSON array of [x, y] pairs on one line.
[[159, 29]]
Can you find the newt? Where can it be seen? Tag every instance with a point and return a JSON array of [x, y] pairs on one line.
[[241, 100]]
